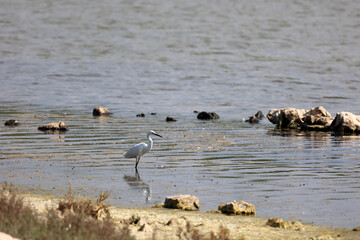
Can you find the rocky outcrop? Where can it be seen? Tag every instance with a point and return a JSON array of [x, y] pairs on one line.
[[279, 223], [315, 119], [207, 116], [346, 122], [101, 111], [12, 123], [238, 208], [286, 117], [184, 202], [55, 126]]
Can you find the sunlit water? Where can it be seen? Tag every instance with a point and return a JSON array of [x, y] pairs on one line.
[[58, 60]]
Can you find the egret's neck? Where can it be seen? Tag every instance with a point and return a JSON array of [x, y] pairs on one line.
[[150, 142]]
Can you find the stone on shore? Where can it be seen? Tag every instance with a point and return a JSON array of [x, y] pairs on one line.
[[238, 208], [207, 116], [346, 122], [184, 202], [12, 123], [55, 126], [280, 223], [356, 229], [101, 111]]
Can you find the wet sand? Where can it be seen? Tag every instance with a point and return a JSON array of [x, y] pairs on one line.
[[156, 223]]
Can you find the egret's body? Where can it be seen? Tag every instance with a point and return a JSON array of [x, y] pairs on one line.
[[140, 149]]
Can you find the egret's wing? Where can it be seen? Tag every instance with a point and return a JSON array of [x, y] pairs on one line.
[[135, 151]]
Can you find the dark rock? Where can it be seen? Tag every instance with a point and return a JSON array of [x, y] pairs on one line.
[[100, 111], [184, 202], [140, 115], [255, 118], [238, 208], [170, 119], [259, 115], [55, 126], [12, 123], [207, 116], [346, 122], [196, 111], [153, 114]]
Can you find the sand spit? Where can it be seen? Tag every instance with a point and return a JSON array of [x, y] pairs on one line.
[[159, 223]]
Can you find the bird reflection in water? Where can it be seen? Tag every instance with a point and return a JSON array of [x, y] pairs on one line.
[[137, 184]]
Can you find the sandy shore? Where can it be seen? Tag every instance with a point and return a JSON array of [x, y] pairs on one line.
[[172, 224]]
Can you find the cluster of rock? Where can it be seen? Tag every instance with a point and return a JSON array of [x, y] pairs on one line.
[[316, 119]]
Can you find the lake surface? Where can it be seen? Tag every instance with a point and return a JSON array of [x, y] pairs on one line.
[[59, 60]]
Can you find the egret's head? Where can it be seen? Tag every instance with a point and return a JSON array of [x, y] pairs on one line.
[[153, 133]]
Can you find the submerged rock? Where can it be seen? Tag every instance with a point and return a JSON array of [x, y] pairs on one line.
[[238, 208], [279, 223], [12, 123], [170, 119], [255, 118], [184, 202], [55, 126], [100, 111], [207, 116], [140, 115], [346, 122]]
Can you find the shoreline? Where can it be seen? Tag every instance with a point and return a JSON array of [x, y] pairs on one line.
[[160, 223]]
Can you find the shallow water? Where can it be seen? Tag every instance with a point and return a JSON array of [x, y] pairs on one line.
[[59, 60]]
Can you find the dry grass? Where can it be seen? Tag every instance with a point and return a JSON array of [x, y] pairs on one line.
[[74, 219], [78, 222]]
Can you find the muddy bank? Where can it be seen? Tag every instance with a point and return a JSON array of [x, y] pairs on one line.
[[154, 223]]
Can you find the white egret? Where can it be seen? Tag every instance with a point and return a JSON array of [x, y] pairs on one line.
[[140, 149]]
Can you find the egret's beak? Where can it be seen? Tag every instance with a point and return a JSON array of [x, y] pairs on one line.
[[157, 135]]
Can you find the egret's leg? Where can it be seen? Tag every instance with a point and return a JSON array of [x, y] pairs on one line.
[[137, 175], [137, 162]]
